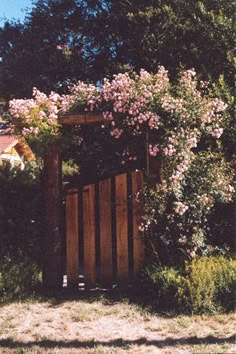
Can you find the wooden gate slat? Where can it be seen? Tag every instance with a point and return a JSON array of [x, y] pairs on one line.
[[89, 236], [89, 225], [138, 242], [122, 229], [72, 247], [105, 231]]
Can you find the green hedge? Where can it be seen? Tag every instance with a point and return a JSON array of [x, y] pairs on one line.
[[204, 285]]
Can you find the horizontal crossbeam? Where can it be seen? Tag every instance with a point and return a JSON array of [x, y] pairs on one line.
[[82, 118]]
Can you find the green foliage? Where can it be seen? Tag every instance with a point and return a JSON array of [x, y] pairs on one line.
[[88, 40], [183, 124], [53, 30], [21, 224], [178, 32], [204, 285], [19, 276], [210, 284], [177, 236], [224, 91], [163, 284]]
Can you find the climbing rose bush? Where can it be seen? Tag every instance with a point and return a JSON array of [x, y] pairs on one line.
[[183, 123], [141, 102], [176, 215], [37, 116]]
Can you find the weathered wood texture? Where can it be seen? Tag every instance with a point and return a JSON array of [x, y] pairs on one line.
[[106, 251], [52, 268], [122, 229], [89, 236], [105, 231], [83, 118], [72, 242]]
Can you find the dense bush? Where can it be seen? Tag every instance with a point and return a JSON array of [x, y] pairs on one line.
[[180, 223], [21, 225], [19, 276], [20, 211], [204, 285], [210, 284], [163, 284]]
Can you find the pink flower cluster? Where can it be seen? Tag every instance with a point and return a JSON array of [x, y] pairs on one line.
[[135, 104], [133, 98], [30, 131], [180, 169], [116, 133], [37, 115], [169, 150], [180, 208], [153, 150], [81, 95], [20, 108], [212, 117], [206, 200]]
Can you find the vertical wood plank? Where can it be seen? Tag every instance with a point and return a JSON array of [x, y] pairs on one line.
[[72, 247], [89, 236], [122, 229], [52, 262], [105, 231], [138, 242]]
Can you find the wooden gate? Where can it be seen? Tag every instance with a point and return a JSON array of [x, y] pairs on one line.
[[103, 244]]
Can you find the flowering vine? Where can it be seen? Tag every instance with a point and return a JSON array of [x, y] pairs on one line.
[[177, 118]]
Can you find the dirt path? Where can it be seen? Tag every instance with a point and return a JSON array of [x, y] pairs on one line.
[[103, 327]]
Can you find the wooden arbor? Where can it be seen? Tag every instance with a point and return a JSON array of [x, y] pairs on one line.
[[53, 271]]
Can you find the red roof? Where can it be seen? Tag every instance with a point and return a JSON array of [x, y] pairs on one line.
[[6, 141]]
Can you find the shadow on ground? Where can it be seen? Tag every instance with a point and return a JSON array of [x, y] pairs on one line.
[[118, 343]]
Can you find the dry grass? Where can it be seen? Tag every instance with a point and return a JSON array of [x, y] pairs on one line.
[[102, 326]]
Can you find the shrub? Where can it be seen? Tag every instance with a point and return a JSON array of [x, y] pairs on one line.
[[163, 285], [21, 212], [177, 222], [210, 284], [21, 225], [204, 285], [19, 276]]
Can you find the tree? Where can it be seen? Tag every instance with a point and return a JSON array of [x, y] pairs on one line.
[[63, 40], [45, 51]]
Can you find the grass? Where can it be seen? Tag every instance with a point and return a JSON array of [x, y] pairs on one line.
[[99, 324]]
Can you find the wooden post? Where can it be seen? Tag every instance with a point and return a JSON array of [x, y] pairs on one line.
[[72, 238], [52, 269]]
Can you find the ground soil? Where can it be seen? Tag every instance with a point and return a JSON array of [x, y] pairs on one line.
[[99, 325]]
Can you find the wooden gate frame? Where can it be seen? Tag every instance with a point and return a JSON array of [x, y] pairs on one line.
[[53, 241]]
